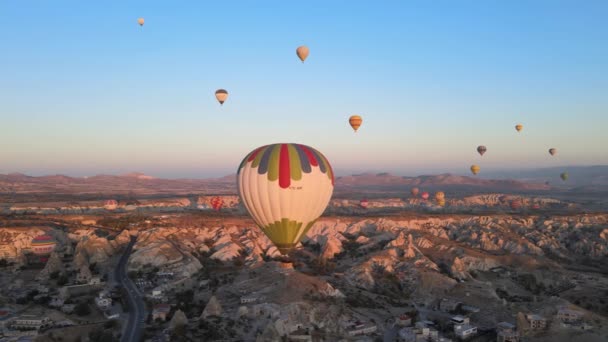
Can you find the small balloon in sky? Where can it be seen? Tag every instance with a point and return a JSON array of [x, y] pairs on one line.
[[221, 95], [355, 122], [302, 52], [475, 169]]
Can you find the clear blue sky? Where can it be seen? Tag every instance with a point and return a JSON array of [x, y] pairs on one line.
[[85, 90]]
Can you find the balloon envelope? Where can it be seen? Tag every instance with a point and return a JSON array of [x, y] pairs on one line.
[[355, 122], [221, 95], [415, 191], [302, 52], [481, 149], [519, 127], [475, 169], [217, 203], [515, 204], [564, 176], [140, 21], [425, 195], [285, 188], [439, 195], [43, 244], [552, 151], [364, 203]]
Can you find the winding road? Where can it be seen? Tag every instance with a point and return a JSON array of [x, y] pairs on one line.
[[134, 329]]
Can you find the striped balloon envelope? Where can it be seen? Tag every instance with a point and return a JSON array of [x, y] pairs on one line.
[[285, 188]]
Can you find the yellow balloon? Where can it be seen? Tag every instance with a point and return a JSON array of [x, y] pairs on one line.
[[519, 127], [440, 195], [475, 169], [355, 122]]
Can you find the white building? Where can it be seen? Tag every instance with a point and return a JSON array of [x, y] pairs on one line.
[[460, 320], [30, 322], [249, 299], [95, 280], [568, 315], [404, 320], [537, 322], [359, 328], [506, 332], [157, 293], [464, 331]]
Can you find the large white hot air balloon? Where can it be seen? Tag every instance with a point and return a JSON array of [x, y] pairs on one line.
[[285, 188]]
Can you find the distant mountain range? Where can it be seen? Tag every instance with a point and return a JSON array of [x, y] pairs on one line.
[[580, 177], [142, 184]]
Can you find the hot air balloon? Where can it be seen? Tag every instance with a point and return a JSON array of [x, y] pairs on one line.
[[355, 122], [217, 203], [302, 52], [140, 21], [475, 169], [425, 195], [552, 151], [42, 246], [439, 195], [285, 188], [110, 205], [364, 203], [441, 202], [221, 95], [564, 176], [519, 127], [535, 206], [415, 191], [515, 204], [481, 149]]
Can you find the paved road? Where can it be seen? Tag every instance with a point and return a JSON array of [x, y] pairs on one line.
[[134, 329]]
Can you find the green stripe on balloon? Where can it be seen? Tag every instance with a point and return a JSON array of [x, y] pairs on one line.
[[273, 163]]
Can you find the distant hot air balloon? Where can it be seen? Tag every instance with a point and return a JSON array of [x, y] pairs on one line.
[[285, 188], [515, 204], [43, 245], [217, 203], [441, 202], [481, 149], [355, 122], [425, 195], [364, 203], [535, 206], [415, 191], [519, 127], [564, 176], [552, 151], [140, 21], [110, 205], [439, 195], [302, 52], [475, 169], [221, 95]]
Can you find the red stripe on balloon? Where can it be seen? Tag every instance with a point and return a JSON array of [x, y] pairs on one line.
[[311, 157], [284, 170], [254, 154]]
